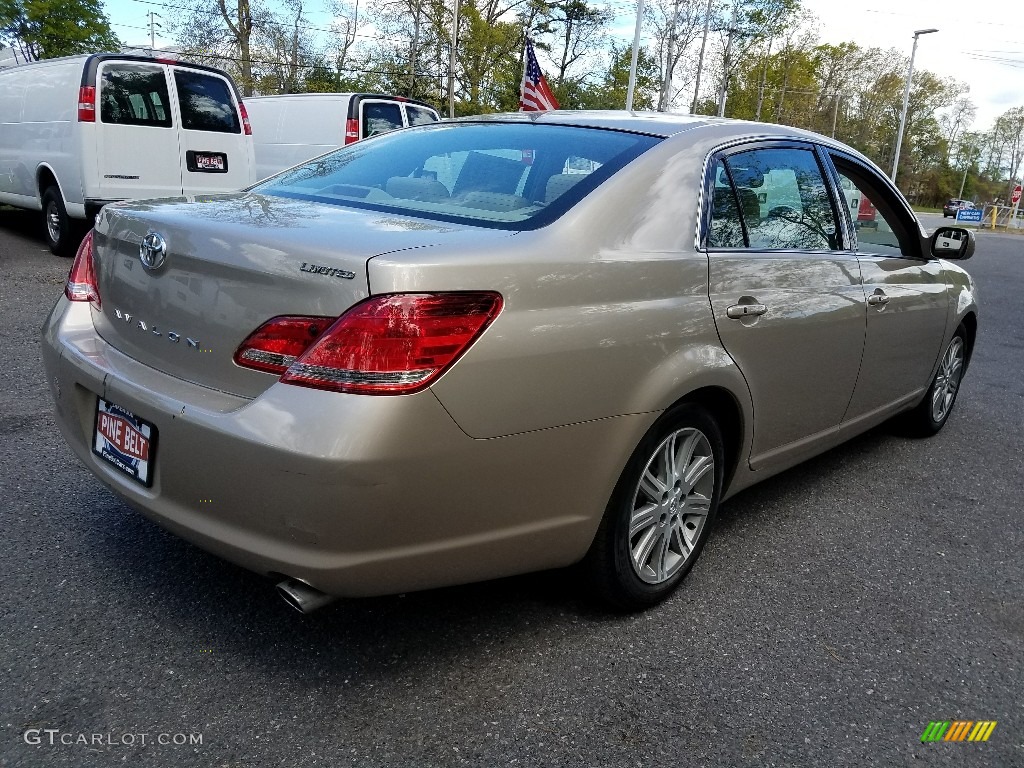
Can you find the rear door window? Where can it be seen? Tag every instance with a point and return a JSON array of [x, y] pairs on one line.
[[726, 223], [134, 94], [783, 200], [206, 103], [380, 117]]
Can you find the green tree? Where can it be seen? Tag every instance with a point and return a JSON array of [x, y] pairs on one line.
[[45, 29], [611, 92]]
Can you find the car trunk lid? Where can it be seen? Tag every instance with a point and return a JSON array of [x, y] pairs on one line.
[[232, 262]]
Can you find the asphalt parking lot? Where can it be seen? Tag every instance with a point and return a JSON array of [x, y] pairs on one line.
[[838, 609]]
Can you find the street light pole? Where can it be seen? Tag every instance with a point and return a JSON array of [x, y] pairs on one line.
[[906, 101]]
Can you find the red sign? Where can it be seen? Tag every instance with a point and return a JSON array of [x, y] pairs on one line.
[[1016, 195], [123, 436]]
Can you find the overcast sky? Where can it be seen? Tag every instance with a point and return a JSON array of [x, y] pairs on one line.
[[979, 43]]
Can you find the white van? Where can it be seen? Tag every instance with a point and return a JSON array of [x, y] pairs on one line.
[[82, 131], [291, 129]]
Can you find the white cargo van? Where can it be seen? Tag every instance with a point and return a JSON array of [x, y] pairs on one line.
[[288, 130], [82, 131]]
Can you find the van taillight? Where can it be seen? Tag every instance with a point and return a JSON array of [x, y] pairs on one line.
[[87, 104], [245, 118], [387, 345], [351, 130], [82, 285]]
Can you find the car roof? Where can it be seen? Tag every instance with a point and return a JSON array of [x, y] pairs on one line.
[[662, 124]]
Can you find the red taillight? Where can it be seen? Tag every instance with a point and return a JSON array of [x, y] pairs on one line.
[[387, 345], [245, 119], [279, 342], [351, 130], [87, 104], [395, 344], [82, 285]]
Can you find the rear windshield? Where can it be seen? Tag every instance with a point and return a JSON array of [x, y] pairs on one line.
[[498, 175], [206, 103]]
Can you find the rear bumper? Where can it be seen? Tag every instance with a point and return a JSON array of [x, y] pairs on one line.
[[352, 494]]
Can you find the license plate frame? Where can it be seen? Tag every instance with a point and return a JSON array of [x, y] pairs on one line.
[[206, 162], [124, 441]]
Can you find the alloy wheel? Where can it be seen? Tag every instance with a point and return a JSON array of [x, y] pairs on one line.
[[671, 504], [947, 380]]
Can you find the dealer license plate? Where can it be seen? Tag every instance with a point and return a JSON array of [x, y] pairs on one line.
[[211, 162], [125, 441]]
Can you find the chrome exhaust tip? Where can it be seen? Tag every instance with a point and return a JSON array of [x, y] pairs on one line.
[[302, 597]]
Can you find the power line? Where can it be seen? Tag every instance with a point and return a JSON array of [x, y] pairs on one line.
[[1015, 63], [325, 65], [308, 27]]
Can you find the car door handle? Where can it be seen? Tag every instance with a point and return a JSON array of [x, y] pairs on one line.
[[737, 311], [877, 299]]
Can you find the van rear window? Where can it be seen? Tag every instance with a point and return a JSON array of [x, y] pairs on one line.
[[206, 103], [134, 94], [380, 117], [419, 116]]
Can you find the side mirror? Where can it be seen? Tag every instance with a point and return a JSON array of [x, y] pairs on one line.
[[952, 243]]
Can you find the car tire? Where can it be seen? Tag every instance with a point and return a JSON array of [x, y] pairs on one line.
[[660, 513], [57, 226], [933, 411]]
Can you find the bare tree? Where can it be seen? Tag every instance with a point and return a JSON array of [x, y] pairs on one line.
[[1010, 126], [677, 25], [579, 30], [956, 122], [343, 31], [222, 34]]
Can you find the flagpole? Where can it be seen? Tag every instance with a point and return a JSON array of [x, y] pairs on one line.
[[451, 63], [636, 53], [522, 80]]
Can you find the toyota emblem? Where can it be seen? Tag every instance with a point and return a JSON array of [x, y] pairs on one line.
[[153, 251]]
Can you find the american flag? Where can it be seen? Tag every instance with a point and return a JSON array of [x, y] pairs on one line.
[[534, 95]]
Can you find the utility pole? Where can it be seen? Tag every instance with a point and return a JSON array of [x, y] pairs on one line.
[[451, 63], [726, 64], [972, 154], [835, 115], [764, 80], [700, 61], [153, 24]]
